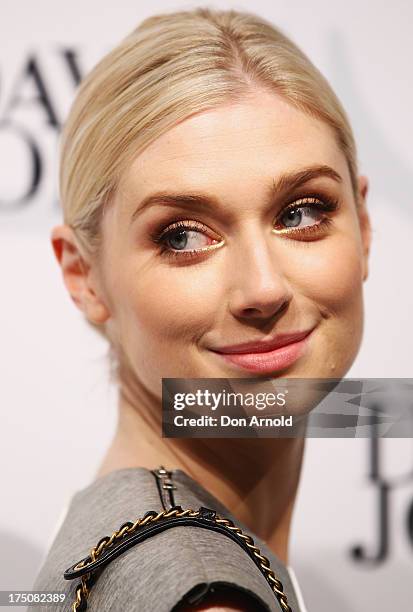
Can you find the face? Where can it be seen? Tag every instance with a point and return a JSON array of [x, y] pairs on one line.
[[272, 244]]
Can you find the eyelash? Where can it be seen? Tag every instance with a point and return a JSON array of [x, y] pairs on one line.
[[315, 202]]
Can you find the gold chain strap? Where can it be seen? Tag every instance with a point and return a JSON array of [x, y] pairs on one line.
[[83, 589]]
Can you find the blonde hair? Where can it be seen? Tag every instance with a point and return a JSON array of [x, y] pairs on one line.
[[172, 66]]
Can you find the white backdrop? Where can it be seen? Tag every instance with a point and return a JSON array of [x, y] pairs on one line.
[[57, 408]]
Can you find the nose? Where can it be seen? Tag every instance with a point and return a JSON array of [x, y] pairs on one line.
[[259, 287]]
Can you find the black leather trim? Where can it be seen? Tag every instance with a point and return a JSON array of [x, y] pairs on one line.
[[205, 521]]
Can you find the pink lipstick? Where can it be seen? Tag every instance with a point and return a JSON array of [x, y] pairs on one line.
[[267, 355]]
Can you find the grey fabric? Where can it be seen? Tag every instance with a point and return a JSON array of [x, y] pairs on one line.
[[157, 573]]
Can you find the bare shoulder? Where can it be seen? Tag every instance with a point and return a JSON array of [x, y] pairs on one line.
[[224, 599]]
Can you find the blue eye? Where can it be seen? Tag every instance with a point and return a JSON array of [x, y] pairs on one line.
[[300, 216], [292, 217], [177, 237], [305, 215]]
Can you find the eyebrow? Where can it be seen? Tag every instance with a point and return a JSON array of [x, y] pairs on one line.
[[285, 182]]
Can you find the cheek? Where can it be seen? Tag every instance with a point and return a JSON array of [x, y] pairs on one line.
[[171, 304], [162, 316], [330, 283], [332, 275]]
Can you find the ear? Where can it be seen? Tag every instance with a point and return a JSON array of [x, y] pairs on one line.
[[364, 221], [78, 275]]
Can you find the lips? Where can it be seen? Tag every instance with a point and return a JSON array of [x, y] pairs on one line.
[[264, 345], [266, 356]]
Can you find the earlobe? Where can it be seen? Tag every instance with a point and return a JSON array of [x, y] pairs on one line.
[[78, 274]]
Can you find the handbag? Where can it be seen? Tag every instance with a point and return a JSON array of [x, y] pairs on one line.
[[131, 533]]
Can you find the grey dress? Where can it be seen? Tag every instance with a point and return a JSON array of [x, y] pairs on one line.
[[166, 568]]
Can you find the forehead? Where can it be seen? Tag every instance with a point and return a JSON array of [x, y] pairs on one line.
[[234, 147]]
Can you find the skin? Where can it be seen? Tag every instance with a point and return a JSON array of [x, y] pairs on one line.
[[259, 282]]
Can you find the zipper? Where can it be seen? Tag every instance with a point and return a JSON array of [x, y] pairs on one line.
[[166, 487]]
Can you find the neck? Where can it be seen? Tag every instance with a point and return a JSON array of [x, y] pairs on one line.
[[256, 479]]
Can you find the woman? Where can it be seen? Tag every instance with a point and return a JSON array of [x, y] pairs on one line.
[[211, 202]]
